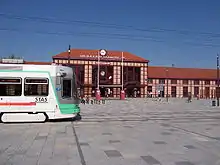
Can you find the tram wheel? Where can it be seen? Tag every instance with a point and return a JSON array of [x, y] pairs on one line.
[[1, 117], [78, 117]]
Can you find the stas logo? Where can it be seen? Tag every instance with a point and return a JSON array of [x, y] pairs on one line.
[[41, 100]]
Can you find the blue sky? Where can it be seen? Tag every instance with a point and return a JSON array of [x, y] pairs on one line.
[[185, 32]]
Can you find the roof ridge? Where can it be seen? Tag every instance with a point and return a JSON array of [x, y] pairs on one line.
[[180, 67], [94, 50], [76, 53]]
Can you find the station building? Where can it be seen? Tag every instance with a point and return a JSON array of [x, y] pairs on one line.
[[139, 78], [85, 64], [180, 82]]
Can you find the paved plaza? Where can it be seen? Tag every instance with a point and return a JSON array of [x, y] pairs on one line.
[[131, 132]]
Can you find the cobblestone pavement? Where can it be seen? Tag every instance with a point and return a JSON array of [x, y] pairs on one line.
[[131, 132]]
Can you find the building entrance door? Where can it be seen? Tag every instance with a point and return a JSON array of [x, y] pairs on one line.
[[129, 92], [103, 91], [132, 92]]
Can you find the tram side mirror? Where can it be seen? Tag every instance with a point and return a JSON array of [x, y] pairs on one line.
[[63, 74]]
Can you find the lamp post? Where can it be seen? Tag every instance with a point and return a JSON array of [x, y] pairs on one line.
[[122, 95], [69, 51], [167, 85], [217, 91], [98, 71], [101, 52]]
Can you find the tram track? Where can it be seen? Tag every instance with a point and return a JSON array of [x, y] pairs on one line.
[[196, 113], [154, 113], [195, 133], [173, 119], [179, 120], [171, 125], [187, 117]]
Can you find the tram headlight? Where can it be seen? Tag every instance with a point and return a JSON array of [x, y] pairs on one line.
[[59, 74]]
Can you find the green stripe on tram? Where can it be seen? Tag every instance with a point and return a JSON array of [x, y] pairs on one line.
[[64, 108]]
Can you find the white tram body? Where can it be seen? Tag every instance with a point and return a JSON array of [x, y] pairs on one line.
[[35, 93]]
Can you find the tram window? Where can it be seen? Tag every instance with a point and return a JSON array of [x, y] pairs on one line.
[[36, 81], [10, 80], [10, 87], [67, 88], [36, 87]]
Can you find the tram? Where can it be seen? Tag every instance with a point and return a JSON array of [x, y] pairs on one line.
[[37, 93]]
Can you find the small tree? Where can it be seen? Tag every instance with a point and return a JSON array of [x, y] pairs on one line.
[[11, 57]]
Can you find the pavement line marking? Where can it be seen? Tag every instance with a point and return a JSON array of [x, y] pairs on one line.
[[83, 162], [195, 133]]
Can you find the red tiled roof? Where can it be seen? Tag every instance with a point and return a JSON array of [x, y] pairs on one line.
[[160, 71], [37, 63], [181, 73], [82, 54]]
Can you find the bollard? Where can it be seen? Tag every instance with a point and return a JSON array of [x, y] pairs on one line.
[[97, 94], [92, 101], [122, 95], [213, 103], [103, 101]]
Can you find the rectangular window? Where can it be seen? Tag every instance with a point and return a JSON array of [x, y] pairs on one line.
[[207, 92], [10, 80], [185, 91], [173, 81], [10, 86], [149, 88], [207, 82], [196, 82], [185, 82], [217, 91], [161, 81], [67, 88], [150, 81], [137, 73], [36, 87], [36, 81], [196, 91], [173, 91]]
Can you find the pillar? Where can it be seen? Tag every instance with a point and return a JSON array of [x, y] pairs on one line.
[[86, 74], [116, 80], [143, 77]]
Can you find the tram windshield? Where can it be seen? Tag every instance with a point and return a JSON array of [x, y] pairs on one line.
[[67, 88], [74, 88]]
